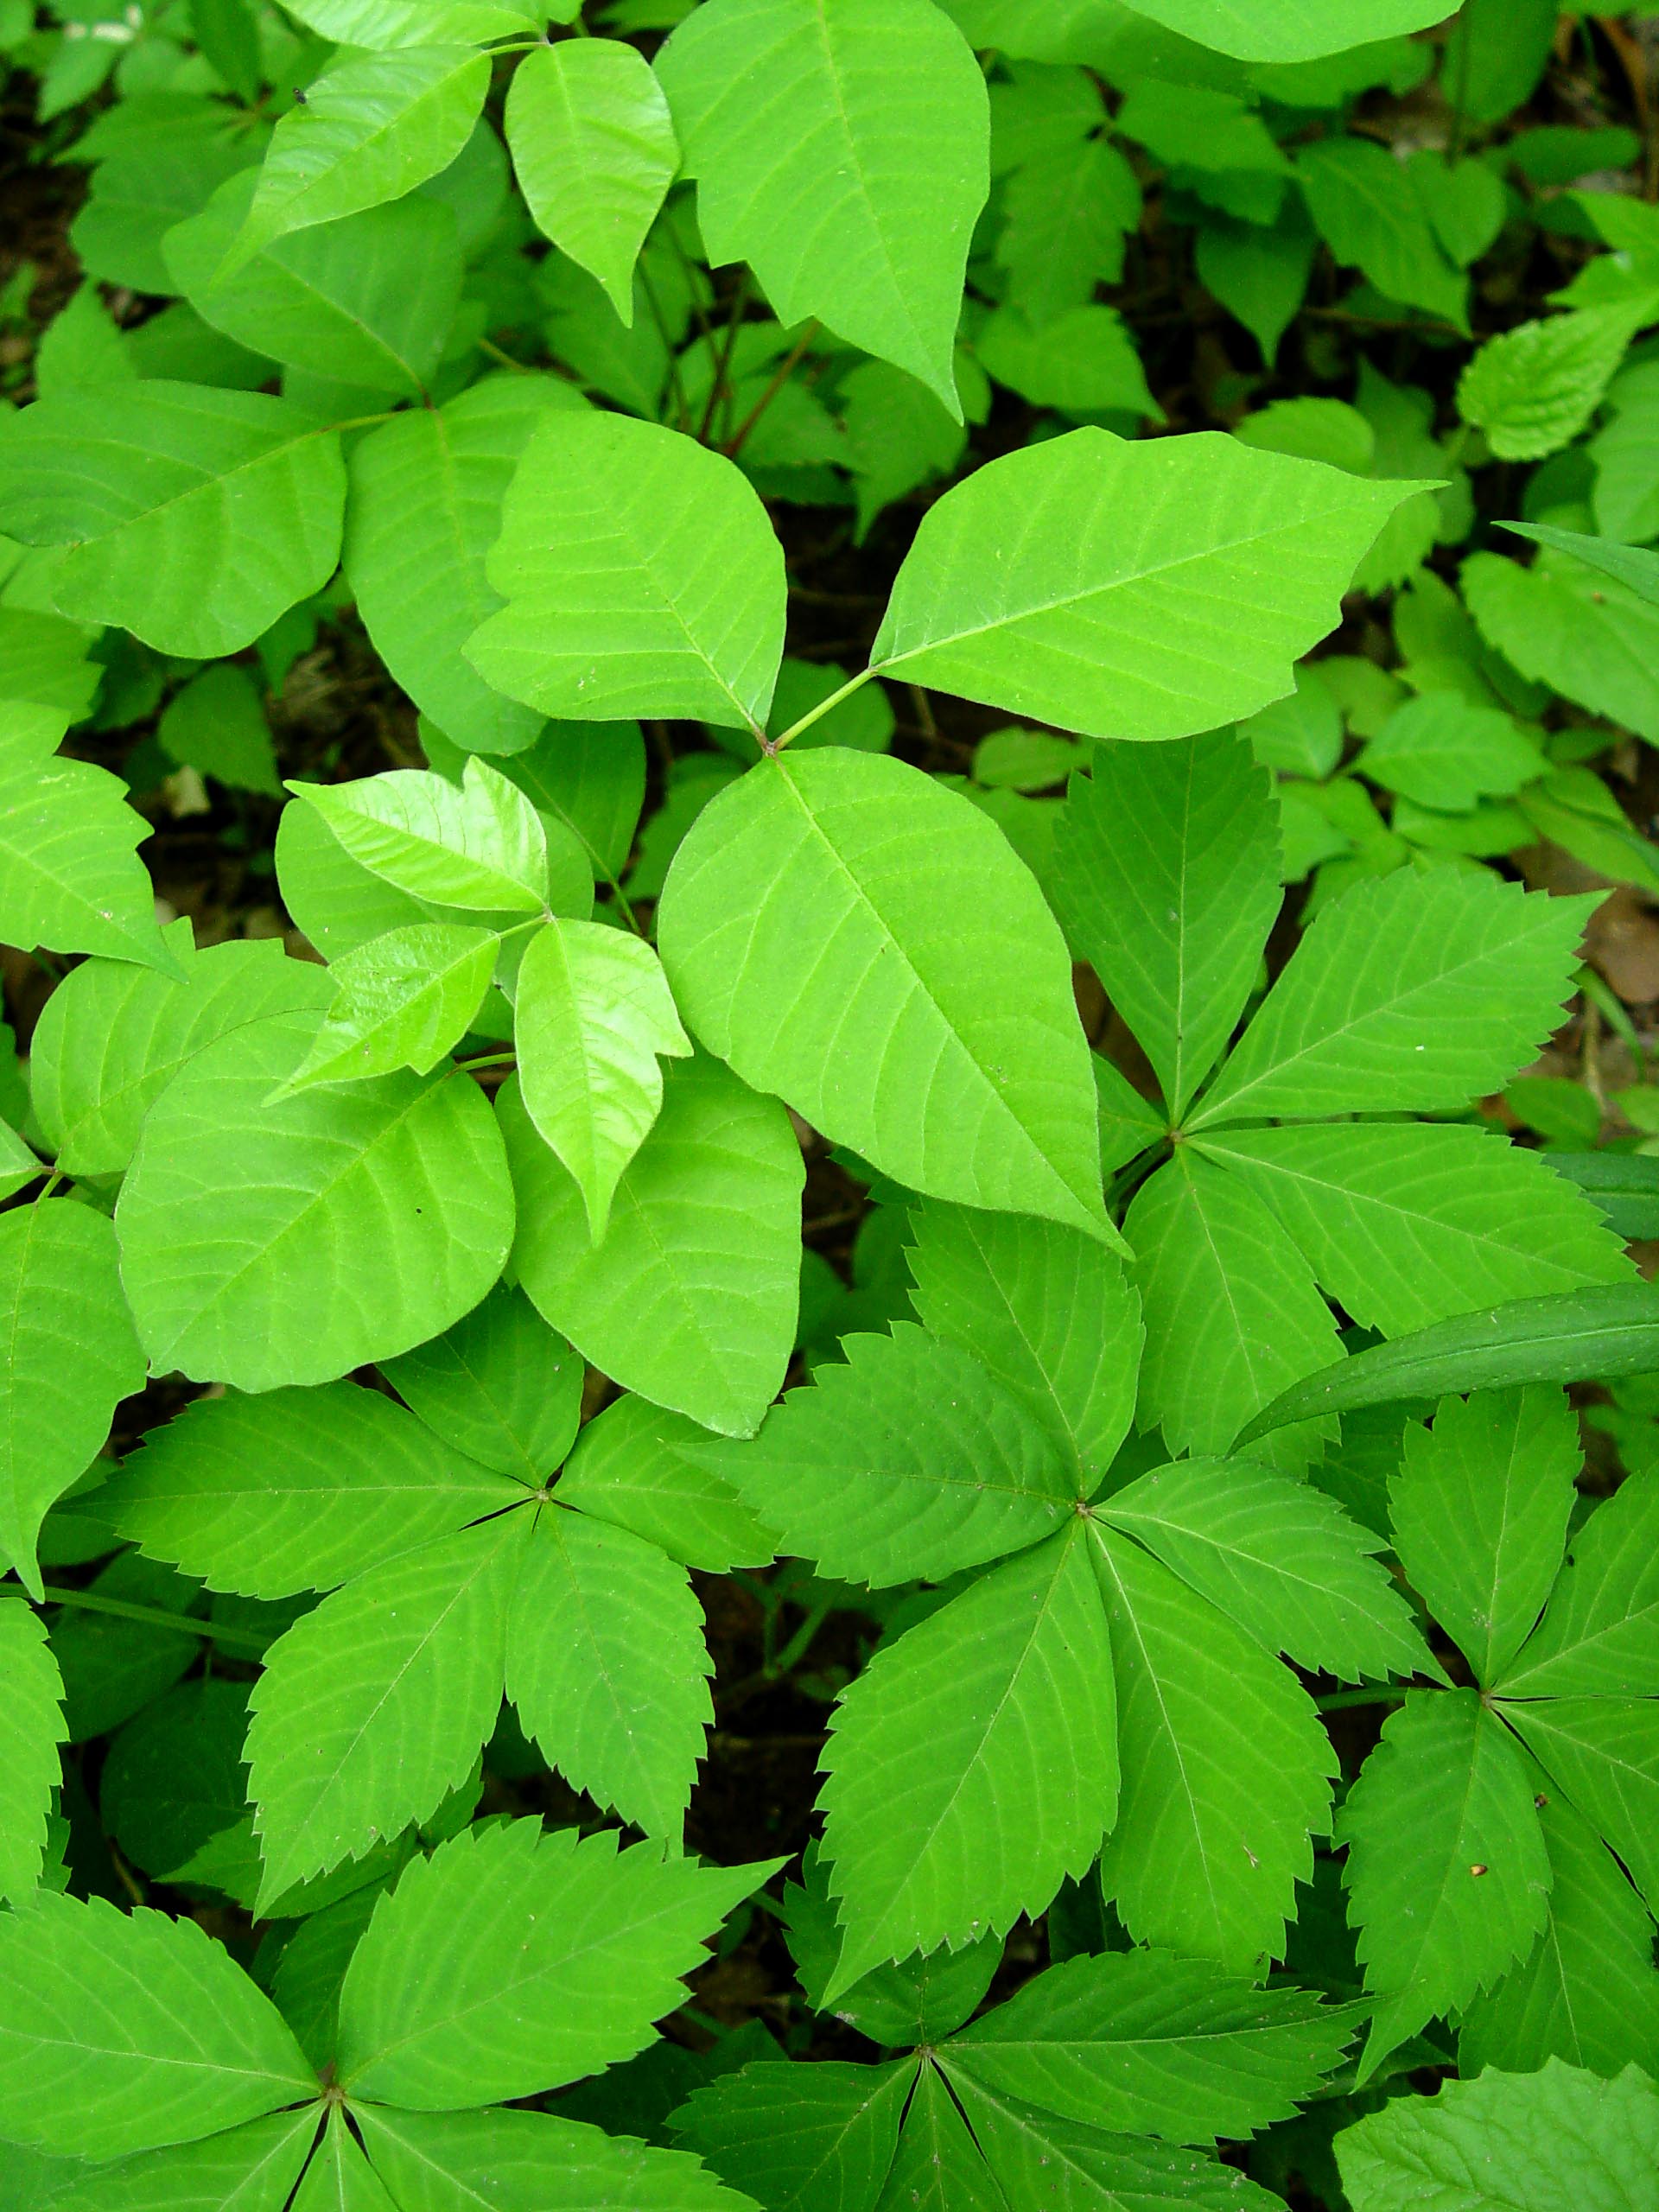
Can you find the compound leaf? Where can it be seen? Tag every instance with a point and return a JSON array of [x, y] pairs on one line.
[[636, 1467], [1037, 2156], [843, 153], [500, 1387], [515, 1959], [864, 944], [120, 2032], [264, 1241], [818, 2138], [1130, 590], [253, 2168], [692, 1299]]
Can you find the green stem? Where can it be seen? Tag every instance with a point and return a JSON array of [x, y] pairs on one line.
[[800, 1642], [489, 1060], [233, 1639], [1339, 1700], [824, 706], [786, 369], [720, 368]]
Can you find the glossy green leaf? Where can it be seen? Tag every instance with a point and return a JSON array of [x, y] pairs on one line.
[[382, 24], [1007, 1687], [403, 1000], [499, 1387], [691, 1298], [481, 848], [937, 2166], [1634, 565], [592, 1011], [67, 1357], [1581, 629], [294, 1490], [1129, 590], [640, 1468], [253, 2168], [595, 149], [192, 2048], [799, 2139], [263, 1243], [192, 517], [31, 1725], [515, 1959], [530, 2162], [860, 209], [641, 577], [1602, 1752], [1032, 2152], [859, 941], [1444, 751], [340, 2177]]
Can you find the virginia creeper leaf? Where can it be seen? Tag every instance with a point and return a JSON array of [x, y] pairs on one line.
[[500, 1386]]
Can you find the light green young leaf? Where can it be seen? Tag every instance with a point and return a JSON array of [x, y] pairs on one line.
[[253, 2168], [861, 210], [426, 492], [119, 2031], [1168, 880], [112, 1037], [482, 848], [530, 2162], [69, 878], [403, 1000], [1600, 1634], [865, 944], [369, 300], [1405, 1223], [595, 149], [31, 1727], [515, 1959], [1066, 212], [1083, 362], [1448, 1877], [191, 517], [369, 131], [1588, 1992], [1445, 752], [1508, 2143], [641, 576], [692, 1299], [380, 24], [607, 1667], [1479, 1511], [1129, 590], [1412, 993], [499, 1386], [1144, 2043], [1048, 1310], [1259, 275], [1612, 1329], [1280, 1558], [1233, 1314], [44, 661], [372, 1708], [592, 1011], [1604, 1754], [1367, 210], [905, 1459], [633, 1466], [972, 1765], [1286, 31], [294, 1490], [68, 1355], [1590, 636], [1533, 388], [263, 1243], [1032, 2153], [1226, 1771]]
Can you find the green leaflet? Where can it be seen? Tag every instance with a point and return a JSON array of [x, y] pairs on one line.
[[217, 725], [592, 1011], [1226, 1771], [384, 25], [192, 517], [638, 1467], [860, 210], [1047, 1309], [1599, 1634], [31, 1725], [1067, 210], [498, 1387], [1365, 206], [660, 591], [1412, 993], [295, 1489], [690, 1298], [425, 507], [368, 132], [865, 944], [918, 1999], [909, 1461], [174, 1780], [1030, 2152], [1535, 388], [1173, 923], [339, 2178], [1510, 2141], [1630, 564], [1603, 1753], [1286, 31], [1008, 1686], [69, 878], [67, 1357], [1444, 751], [482, 848], [253, 2168], [801, 2138], [403, 1000], [595, 149], [1587, 635], [513, 1961], [1122, 589], [111, 1038], [369, 300], [1446, 1873], [530, 2162], [1479, 1511], [200, 2048], [352, 1221], [1280, 1558], [937, 2166], [606, 1665]]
